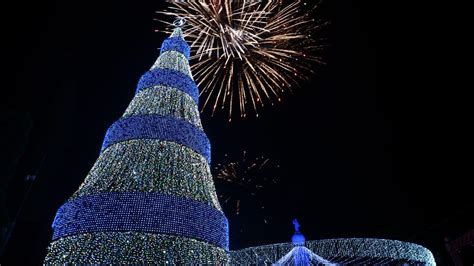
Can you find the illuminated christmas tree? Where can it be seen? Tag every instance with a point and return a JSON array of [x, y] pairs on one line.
[[150, 197]]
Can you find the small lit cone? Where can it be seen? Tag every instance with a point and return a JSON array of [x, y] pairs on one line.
[[300, 255]]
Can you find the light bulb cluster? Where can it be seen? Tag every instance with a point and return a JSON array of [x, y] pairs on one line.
[[142, 212], [345, 251], [173, 60], [176, 44], [170, 78], [300, 255], [151, 166], [165, 101], [137, 248], [158, 127]]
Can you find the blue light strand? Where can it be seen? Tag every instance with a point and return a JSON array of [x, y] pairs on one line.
[[175, 44], [158, 127], [171, 78], [142, 212]]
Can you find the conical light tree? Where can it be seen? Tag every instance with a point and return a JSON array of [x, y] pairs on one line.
[[150, 197]]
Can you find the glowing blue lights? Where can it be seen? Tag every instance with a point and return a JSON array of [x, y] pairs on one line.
[[343, 251], [142, 212], [301, 255], [171, 78], [158, 127], [298, 238], [176, 44]]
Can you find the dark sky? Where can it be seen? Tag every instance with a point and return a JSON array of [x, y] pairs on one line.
[[360, 156]]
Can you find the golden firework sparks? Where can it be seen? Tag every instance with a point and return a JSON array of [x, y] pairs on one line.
[[247, 53]]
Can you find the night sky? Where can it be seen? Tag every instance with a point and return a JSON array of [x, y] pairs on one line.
[[359, 156]]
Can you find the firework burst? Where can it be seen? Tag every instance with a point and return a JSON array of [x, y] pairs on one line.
[[243, 184], [248, 53]]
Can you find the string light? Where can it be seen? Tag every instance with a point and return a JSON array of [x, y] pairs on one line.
[[137, 248], [345, 251], [142, 212], [166, 167], [158, 127], [165, 101]]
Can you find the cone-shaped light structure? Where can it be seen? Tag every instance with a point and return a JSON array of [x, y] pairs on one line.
[[299, 254], [150, 197]]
